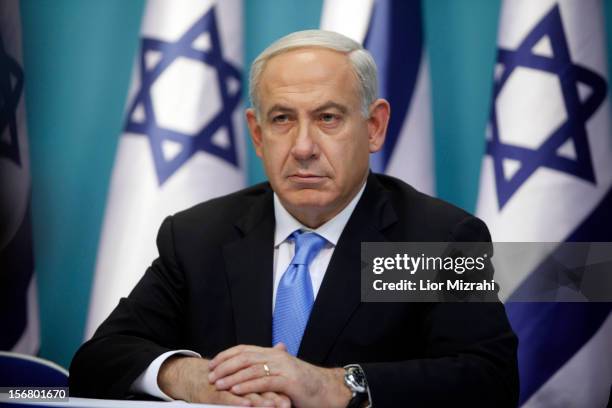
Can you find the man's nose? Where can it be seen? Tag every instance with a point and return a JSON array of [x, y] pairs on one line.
[[305, 146]]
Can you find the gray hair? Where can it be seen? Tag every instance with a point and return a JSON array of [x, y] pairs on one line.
[[361, 61]]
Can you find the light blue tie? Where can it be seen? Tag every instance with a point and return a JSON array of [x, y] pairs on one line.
[[294, 296]]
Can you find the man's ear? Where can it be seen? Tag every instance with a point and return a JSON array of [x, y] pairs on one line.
[[380, 111], [255, 131]]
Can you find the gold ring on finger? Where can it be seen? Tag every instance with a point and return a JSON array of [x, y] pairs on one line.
[[266, 369]]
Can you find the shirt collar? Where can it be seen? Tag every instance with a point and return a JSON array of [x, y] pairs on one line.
[[286, 224]]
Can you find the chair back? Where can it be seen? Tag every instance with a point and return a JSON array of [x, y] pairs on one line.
[[20, 370]]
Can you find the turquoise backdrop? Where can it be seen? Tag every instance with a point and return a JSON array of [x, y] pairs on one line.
[[78, 58]]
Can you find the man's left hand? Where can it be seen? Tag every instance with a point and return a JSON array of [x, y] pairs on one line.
[[250, 369]]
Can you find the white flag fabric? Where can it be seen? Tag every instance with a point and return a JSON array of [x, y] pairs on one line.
[[547, 177], [392, 30], [183, 140], [19, 321]]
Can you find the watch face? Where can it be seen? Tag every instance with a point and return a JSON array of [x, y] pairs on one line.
[[356, 379], [359, 377]]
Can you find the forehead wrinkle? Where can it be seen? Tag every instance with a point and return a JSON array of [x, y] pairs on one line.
[[282, 101], [306, 57], [277, 82]]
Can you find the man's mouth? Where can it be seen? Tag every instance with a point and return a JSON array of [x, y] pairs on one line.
[[306, 178]]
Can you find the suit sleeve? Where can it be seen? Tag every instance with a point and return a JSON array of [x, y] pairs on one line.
[[143, 326], [470, 357]]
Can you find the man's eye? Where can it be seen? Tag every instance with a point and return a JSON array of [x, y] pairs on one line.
[[328, 118], [280, 119]]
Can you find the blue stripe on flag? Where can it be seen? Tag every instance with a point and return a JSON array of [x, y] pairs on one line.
[[598, 225], [554, 332], [395, 39]]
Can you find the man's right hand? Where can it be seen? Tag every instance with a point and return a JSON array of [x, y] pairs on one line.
[[186, 378]]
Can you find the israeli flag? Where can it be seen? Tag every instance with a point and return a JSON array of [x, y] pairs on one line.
[[19, 322], [183, 141], [547, 177], [392, 30]]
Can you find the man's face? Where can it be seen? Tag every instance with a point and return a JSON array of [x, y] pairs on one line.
[[312, 136]]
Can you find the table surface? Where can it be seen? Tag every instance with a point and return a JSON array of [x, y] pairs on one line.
[[100, 403]]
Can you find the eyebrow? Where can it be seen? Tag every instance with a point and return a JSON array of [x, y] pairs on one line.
[[331, 105], [279, 108]]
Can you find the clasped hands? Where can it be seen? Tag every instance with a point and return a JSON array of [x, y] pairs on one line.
[[254, 376]]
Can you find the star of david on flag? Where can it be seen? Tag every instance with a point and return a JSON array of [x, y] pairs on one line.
[[200, 43], [547, 177], [570, 134], [183, 140], [11, 87]]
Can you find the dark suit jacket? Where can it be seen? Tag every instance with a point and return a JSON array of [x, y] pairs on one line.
[[211, 288]]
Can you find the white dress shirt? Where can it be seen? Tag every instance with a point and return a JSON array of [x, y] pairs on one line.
[[284, 250]]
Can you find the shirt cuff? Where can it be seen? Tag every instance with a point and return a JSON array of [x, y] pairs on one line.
[[146, 383]]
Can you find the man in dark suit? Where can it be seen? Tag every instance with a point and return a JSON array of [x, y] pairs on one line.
[[255, 297]]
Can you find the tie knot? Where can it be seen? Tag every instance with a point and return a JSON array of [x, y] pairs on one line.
[[307, 246]]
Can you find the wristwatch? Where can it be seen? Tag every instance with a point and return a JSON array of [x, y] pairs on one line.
[[355, 380]]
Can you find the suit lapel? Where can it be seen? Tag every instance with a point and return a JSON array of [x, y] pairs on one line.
[[249, 264], [340, 292]]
